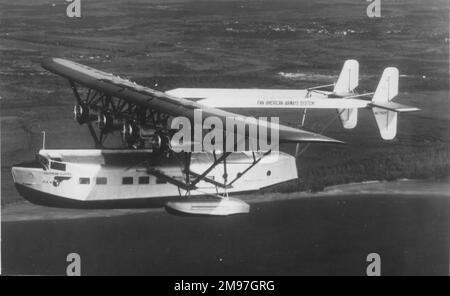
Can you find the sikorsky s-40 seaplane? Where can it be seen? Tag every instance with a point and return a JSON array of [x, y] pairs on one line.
[[152, 167]]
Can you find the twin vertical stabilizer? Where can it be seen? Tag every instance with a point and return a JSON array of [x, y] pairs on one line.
[[386, 90], [346, 84], [348, 79]]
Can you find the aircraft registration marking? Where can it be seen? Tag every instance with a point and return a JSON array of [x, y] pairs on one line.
[[271, 102]]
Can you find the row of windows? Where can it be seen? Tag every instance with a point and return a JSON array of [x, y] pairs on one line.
[[125, 180], [142, 180]]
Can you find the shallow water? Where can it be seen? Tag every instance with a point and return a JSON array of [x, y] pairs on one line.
[[327, 235]]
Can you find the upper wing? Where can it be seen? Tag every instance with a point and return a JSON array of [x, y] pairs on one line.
[[159, 101]]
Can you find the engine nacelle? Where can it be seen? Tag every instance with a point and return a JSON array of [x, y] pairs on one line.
[[130, 132], [81, 114], [137, 136], [155, 142], [107, 123]]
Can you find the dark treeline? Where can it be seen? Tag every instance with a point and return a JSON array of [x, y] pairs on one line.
[[424, 163]]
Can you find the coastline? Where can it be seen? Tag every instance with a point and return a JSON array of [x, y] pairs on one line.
[[26, 211]]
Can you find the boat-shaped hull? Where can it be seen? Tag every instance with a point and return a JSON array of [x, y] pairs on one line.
[[102, 177]]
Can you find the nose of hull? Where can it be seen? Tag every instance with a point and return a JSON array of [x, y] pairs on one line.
[[24, 176]]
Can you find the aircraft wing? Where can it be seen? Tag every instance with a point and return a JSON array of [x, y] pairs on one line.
[[162, 102]]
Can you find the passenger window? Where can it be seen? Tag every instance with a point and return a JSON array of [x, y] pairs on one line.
[[144, 180], [127, 180], [101, 181], [160, 181], [84, 181]]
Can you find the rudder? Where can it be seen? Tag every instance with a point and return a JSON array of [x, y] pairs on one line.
[[348, 117], [347, 82], [348, 79], [387, 89]]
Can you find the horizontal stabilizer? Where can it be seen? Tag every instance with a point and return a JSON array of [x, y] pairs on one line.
[[392, 106]]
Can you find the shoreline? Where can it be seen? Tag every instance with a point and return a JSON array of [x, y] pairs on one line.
[[412, 186], [25, 211]]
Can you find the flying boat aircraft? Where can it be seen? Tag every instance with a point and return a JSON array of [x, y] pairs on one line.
[[152, 167]]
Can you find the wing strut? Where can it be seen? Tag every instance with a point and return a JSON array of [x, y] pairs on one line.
[[98, 143], [189, 185], [255, 162], [216, 162]]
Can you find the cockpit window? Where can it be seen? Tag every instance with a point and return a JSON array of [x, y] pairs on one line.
[[42, 160], [58, 166]]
